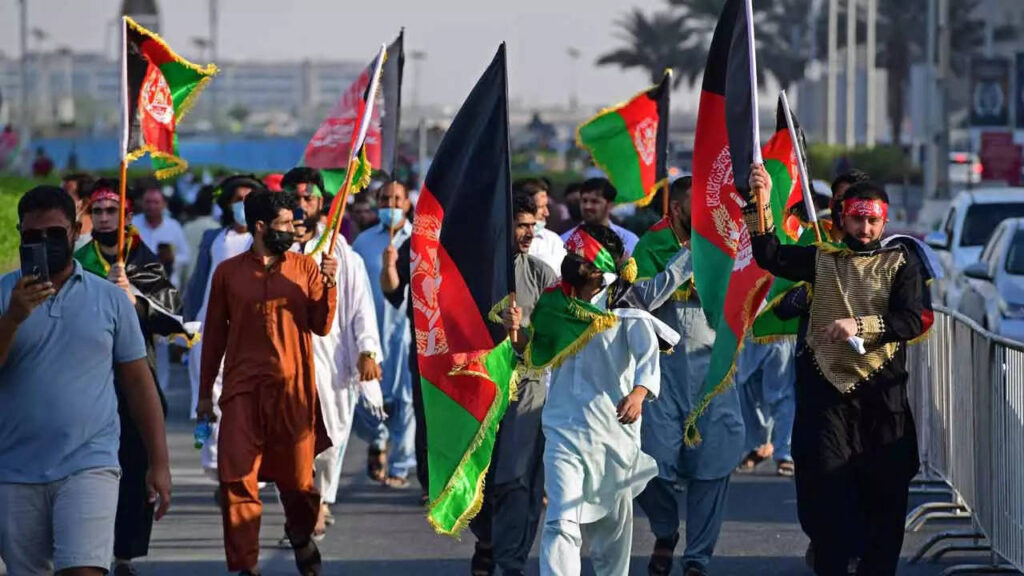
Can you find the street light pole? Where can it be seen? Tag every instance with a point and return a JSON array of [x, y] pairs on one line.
[[574, 55], [872, 96], [851, 73], [25, 119], [833, 63], [212, 50]]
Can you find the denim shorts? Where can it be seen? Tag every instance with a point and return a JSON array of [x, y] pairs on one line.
[[64, 524]]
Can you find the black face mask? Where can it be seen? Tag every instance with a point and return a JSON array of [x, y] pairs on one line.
[[108, 239], [58, 246], [858, 246], [278, 241]]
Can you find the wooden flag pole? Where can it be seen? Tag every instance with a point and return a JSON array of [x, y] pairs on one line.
[[342, 200], [122, 209], [664, 199]]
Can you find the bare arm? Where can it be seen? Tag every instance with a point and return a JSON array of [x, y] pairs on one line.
[[139, 390]]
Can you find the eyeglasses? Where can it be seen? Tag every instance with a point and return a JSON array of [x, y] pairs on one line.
[[38, 235], [109, 211]]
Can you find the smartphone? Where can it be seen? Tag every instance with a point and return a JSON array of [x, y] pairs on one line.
[[33, 261]]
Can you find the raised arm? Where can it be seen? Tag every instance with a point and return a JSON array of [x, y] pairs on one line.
[[791, 262], [323, 295], [654, 292]]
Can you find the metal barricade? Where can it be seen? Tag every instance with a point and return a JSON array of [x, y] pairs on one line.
[[967, 390]]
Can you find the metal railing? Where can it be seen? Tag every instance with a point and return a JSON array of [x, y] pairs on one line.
[[967, 392]]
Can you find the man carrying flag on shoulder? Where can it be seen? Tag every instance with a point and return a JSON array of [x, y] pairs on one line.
[[665, 285], [265, 306], [603, 354], [854, 441], [514, 491], [346, 359], [144, 280]]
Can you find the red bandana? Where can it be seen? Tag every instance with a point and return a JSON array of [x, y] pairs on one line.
[[104, 194], [865, 207]]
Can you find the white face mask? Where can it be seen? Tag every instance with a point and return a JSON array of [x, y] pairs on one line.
[[609, 278], [539, 226]]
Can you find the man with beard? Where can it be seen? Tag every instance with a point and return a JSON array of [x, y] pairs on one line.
[[854, 441], [603, 354], [346, 359], [155, 299], [216, 246], [265, 305], [506, 526], [597, 198], [665, 281]]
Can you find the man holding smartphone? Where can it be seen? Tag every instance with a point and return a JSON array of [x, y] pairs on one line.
[[59, 428]]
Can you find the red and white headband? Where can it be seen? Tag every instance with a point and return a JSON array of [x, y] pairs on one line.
[[872, 208]]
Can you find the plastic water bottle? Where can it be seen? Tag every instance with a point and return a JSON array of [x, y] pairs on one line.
[[202, 433]]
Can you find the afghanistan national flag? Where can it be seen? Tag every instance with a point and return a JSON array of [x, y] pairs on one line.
[[629, 142], [730, 283], [391, 82], [350, 138], [331, 145], [158, 89], [461, 252]]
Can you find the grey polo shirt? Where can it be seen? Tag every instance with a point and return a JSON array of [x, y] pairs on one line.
[[58, 409]]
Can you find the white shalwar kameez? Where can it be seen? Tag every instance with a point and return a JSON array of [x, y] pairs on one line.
[[336, 358], [227, 244], [593, 466]]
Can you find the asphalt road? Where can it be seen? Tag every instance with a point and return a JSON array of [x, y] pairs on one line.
[[382, 531]]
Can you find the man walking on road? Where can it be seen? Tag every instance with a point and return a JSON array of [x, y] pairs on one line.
[[62, 339], [265, 305]]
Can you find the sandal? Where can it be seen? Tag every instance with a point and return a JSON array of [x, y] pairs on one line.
[[307, 557], [482, 563], [786, 468], [376, 464], [396, 482], [661, 557], [750, 462]]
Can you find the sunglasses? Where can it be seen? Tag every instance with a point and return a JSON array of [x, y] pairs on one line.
[[109, 211], [39, 235]]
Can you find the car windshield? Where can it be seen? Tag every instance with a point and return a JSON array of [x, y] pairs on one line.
[[982, 219], [1015, 254]]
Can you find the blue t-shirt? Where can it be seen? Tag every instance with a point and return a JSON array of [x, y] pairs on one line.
[[58, 408]]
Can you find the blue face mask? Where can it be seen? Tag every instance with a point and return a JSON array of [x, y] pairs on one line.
[[390, 217], [238, 213]]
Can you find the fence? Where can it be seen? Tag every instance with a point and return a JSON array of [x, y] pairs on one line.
[[967, 391]]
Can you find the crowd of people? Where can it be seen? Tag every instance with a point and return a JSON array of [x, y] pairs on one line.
[[293, 341]]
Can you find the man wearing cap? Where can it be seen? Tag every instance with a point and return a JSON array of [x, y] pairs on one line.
[[854, 441], [156, 302]]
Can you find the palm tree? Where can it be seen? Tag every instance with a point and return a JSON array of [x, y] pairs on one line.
[[651, 44], [679, 38]]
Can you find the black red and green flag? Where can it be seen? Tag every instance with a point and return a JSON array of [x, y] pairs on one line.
[[653, 251], [462, 268], [158, 89], [730, 283], [629, 142], [391, 88], [349, 138]]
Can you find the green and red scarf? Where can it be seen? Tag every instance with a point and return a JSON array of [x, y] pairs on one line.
[[653, 251]]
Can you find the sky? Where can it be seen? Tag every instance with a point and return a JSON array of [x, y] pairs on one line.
[[459, 38]]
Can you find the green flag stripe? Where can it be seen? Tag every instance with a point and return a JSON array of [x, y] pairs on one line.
[[713, 277], [613, 151]]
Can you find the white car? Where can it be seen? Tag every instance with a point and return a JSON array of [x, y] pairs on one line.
[[964, 168], [968, 223], [994, 286]]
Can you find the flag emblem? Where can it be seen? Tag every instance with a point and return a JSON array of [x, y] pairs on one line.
[[646, 139], [156, 98]]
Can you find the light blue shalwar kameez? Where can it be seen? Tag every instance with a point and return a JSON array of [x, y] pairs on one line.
[[703, 470], [766, 380], [395, 382]]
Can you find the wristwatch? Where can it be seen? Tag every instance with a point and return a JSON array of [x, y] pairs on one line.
[[369, 354]]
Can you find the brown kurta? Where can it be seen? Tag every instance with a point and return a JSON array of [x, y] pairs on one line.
[[261, 322]]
